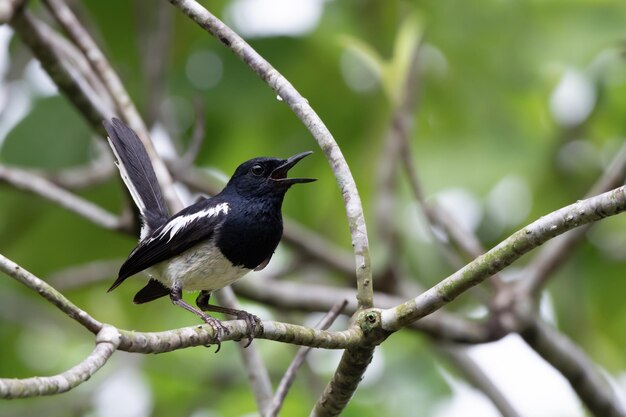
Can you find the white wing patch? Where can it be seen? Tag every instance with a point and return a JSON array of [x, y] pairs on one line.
[[178, 223]]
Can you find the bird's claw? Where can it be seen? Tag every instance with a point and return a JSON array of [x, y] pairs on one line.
[[252, 323], [219, 330]]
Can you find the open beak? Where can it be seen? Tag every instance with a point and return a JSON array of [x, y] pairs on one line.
[[280, 173]]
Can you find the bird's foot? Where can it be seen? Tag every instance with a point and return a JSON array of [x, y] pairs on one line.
[[219, 330], [253, 323]]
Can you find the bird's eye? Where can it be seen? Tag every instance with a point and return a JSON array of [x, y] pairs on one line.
[[257, 170]]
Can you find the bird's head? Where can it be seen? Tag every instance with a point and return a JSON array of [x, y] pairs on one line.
[[266, 176]]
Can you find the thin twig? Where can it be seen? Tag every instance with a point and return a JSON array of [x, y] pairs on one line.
[[154, 21], [32, 183], [399, 125], [397, 151], [553, 255], [317, 247], [95, 172], [475, 375], [385, 212], [49, 293], [437, 215], [107, 341], [81, 275], [71, 57], [298, 360], [127, 110], [68, 79], [511, 249], [250, 355], [400, 131], [199, 132]]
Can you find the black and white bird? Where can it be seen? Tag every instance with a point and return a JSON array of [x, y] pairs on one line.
[[209, 244]]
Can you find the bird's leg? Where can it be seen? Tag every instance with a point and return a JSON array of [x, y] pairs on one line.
[[202, 301], [252, 321], [176, 295]]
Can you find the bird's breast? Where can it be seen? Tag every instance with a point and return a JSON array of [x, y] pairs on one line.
[[202, 267]]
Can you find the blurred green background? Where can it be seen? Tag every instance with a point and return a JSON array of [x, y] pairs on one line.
[[521, 107]]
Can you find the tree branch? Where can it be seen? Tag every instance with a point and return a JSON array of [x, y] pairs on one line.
[[27, 181], [124, 105], [553, 255], [197, 137], [344, 383], [107, 341], [84, 274], [521, 242], [298, 360], [96, 171], [154, 21], [475, 376], [69, 81], [202, 335], [49, 293], [317, 247]]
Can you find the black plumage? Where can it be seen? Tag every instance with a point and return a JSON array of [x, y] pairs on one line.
[[137, 172], [159, 246]]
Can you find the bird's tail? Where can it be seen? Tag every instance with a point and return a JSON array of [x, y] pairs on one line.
[[138, 174]]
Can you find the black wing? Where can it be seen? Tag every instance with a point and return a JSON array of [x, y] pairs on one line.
[[188, 227], [137, 172]]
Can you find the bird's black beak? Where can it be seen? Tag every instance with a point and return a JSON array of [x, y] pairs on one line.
[[280, 173]]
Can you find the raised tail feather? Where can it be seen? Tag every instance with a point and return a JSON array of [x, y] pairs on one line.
[[138, 175]]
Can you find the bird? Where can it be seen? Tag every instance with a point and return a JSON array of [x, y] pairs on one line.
[[209, 244]]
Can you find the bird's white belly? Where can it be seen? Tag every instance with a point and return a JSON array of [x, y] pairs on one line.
[[202, 267]]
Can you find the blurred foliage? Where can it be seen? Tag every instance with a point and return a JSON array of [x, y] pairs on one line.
[[490, 70]]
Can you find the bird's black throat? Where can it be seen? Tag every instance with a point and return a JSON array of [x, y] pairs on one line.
[[252, 230]]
